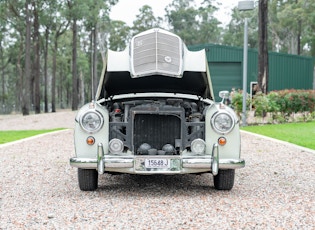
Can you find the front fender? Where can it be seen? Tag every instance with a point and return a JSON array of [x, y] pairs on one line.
[[82, 149]]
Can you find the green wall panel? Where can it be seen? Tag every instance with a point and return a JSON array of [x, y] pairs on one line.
[[225, 76], [285, 71]]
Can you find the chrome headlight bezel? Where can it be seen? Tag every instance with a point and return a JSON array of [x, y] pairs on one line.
[[96, 117], [223, 116]]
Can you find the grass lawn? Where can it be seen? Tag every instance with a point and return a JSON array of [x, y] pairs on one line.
[[302, 134], [12, 135]]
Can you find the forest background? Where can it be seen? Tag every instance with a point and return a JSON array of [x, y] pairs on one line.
[[50, 55]]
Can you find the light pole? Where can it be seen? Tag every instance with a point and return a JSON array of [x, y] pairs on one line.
[[244, 6]]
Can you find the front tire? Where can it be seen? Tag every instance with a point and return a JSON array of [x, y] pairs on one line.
[[88, 179], [224, 180]]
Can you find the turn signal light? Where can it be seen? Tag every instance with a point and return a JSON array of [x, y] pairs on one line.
[[90, 140], [222, 141]]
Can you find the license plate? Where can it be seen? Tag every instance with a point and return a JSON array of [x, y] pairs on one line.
[[157, 163]]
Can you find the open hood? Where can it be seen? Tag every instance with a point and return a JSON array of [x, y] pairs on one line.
[[155, 61]]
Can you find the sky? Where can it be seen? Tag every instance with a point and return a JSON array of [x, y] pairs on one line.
[[126, 10]]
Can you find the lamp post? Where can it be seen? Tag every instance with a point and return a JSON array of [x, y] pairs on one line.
[[244, 6]]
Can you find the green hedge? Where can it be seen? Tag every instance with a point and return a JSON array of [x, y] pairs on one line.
[[280, 106]]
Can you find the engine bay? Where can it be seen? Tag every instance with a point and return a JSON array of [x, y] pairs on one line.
[[157, 126]]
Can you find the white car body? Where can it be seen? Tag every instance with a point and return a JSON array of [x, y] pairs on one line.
[[154, 113]]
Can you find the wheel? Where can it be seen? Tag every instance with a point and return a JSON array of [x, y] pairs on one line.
[[88, 179], [224, 180]]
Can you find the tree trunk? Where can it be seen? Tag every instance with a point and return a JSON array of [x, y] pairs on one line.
[[53, 79], [45, 70], [299, 37], [94, 62], [2, 75], [61, 87], [82, 90], [27, 68], [58, 33], [19, 70], [75, 96], [36, 61], [299, 33], [263, 46]]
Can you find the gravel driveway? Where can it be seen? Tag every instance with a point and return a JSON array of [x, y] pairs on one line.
[[39, 190]]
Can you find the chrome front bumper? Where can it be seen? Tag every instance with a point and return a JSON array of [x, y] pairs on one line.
[[130, 164]]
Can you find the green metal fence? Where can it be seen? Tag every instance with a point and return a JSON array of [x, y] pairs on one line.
[[285, 71]]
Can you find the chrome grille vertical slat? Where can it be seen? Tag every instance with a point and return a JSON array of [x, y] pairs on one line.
[[156, 130]]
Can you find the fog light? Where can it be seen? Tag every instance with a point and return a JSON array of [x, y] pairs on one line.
[[116, 146], [90, 140], [198, 146], [222, 141]]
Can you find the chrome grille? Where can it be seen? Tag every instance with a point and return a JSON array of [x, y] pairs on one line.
[[156, 53], [156, 130]]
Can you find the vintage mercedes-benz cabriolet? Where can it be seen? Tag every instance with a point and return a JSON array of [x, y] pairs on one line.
[[154, 113]]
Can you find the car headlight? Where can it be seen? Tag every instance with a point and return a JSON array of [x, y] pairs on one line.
[[222, 122], [91, 121]]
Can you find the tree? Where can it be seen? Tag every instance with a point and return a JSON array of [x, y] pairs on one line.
[[36, 63], [308, 30], [194, 25], [119, 34], [233, 35], [4, 60], [292, 25], [294, 33], [97, 10], [90, 11], [145, 20], [47, 37], [181, 16], [60, 26], [209, 29], [263, 46], [53, 21], [27, 66], [75, 13], [18, 19]]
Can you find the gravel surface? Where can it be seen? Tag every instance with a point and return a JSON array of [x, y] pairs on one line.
[[60, 119], [39, 190]]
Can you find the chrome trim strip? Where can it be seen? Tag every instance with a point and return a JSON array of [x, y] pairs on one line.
[[92, 163], [207, 163], [119, 162], [157, 172], [232, 163], [86, 163], [215, 164], [100, 159], [197, 163]]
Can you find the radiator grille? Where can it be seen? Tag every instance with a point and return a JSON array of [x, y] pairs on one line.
[[156, 130], [156, 52]]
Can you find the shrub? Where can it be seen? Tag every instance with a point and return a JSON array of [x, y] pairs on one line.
[[292, 102], [237, 102], [282, 106], [261, 104]]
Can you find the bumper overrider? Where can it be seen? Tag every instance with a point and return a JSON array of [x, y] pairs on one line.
[[177, 164]]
